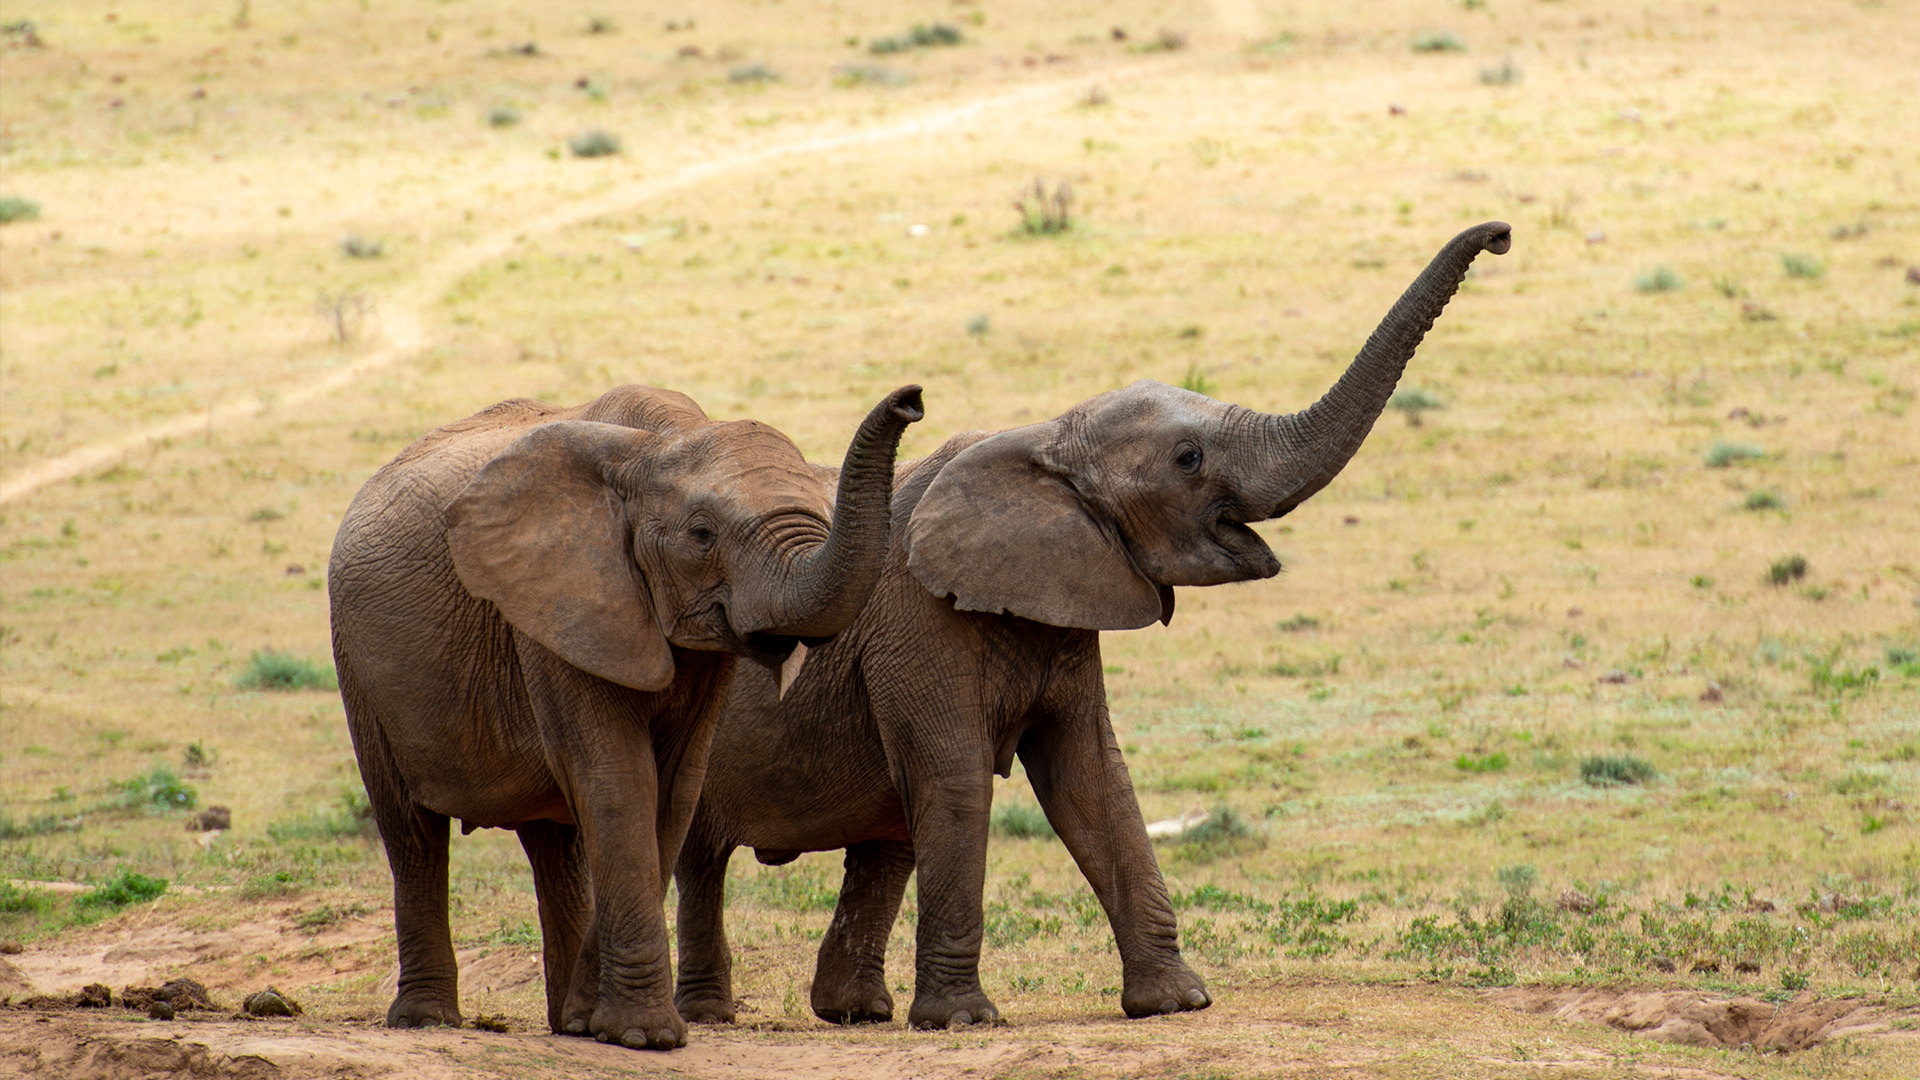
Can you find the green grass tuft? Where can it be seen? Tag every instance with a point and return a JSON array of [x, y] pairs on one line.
[[1022, 821], [1659, 279], [1722, 454], [1616, 769], [271, 670], [593, 144], [1764, 500], [920, 37], [1445, 41], [1802, 266], [161, 789], [1789, 569], [126, 887], [15, 208]]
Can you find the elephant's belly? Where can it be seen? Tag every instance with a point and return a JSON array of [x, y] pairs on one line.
[[825, 821], [483, 773]]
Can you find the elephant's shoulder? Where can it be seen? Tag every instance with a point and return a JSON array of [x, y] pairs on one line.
[[911, 479]]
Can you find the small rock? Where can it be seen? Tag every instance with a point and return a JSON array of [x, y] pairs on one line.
[[1712, 694], [1577, 902], [271, 1002], [1349, 520], [1574, 612], [11, 948], [295, 569], [160, 1010], [94, 996], [1739, 414], [1913, 274], [1394, 108], [1118, 33], [1664, 963], [1616, 677]]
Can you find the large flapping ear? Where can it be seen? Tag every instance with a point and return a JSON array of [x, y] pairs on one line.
[[1000, 530], [541, 533]]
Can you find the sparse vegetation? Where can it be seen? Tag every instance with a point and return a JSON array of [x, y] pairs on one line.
[[125, 887], [359, 247], [1021, 821], [1505, 73], [753, 73], [1787, 570], [1414, 402], [851, 75], [1802, 266], [1440, 42], [1658, 280], [17, 208], [344, 312], [1615, 769], [503, 116], [1764, 500], [1722, 454], [159, 789], [922, 36]]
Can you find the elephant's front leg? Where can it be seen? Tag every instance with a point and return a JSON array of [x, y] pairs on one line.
[[598, 739], [1080, 778], [566, 906], [850, 980], [948, 812]]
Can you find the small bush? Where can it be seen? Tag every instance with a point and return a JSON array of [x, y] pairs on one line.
[[753, 73], [1802, 266], [1613, 770], [503, 116], [1789, 569], [15, 208], [593, 144], [920, 37], [1439, 43], [1659, 279], [1044, 213], [979, 324], [38, 825], [160, 789], [1485, 763], [1296, 623], [1722, 454], [1412, 401], [1196, 381], [601, 24], [126, 887], [359, 247], [270, 670], [1166, 41], [15, 900], [851, 75], [1505, 73], [1764, 500], [1022, 821]]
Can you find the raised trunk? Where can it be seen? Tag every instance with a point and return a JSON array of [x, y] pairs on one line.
[[1300, 453], [828, 585]]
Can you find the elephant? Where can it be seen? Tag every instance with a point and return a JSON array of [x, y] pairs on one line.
[[1010, 553], [537, 612]]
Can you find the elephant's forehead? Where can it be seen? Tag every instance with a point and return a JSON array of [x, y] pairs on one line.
[[1146, 404], [746, 465]]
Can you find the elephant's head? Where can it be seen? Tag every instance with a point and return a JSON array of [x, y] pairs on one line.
[[1088, 520], [610, 542]]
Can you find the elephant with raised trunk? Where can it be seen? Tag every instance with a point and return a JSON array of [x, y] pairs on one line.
[[981, 642], [536, 615]]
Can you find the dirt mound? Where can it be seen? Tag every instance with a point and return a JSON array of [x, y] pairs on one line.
[[60, 1053], [1692, 1019]]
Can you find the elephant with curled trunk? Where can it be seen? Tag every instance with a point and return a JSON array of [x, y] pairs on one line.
[[536, 616], [1010, 553]]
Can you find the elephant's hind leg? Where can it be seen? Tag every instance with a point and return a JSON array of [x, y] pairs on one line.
[[704, 994], [566, 906], [416, 843], [850, 980]]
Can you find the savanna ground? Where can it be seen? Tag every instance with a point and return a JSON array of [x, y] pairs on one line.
[[1544, 737]]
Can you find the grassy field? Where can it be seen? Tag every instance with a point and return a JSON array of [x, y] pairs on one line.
[[1598, 668]]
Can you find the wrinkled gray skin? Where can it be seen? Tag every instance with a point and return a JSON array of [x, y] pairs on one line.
[[536, 614], [1011, 552]]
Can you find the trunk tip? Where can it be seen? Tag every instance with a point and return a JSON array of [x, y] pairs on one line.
[[905, 405], [1496, 236]]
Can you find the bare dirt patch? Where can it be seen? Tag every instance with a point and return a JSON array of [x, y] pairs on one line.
[[1687, 1018]]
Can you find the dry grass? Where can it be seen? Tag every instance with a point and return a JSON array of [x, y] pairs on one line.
[[1241, 216]]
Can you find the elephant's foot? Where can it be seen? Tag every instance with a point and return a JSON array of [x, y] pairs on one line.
[[1176, 989], [932, 1012], [853, 1001], [705, 1009], [638, 1027], [419, 1008]]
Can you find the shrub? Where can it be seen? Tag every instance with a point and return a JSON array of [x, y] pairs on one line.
[[1802, 266], [126, 887], [850, 75], [1722, 454], [358, 247], [15, 208], [1505, 73], [38, 825], [1044, 213], [1196, 380], [1612, 770], [1485, 763], [503, 116], [753, 73], [1764, 500], [593, 144], [15, 900], [1413, 401], [1166, 41], [920, 37], [1659, 279], [270, 670], [979, 324], [1438, 43], [161, 789], [1791, 568], [601, 24], [1022, 821]]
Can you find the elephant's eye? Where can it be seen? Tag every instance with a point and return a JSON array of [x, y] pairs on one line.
[[702, 534], [1188, 459]]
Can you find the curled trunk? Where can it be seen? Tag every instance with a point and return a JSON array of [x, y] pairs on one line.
[[1300, 453], [827, 586]]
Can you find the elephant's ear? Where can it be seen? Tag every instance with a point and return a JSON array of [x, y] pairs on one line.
[[1000, 530], [540, 532]]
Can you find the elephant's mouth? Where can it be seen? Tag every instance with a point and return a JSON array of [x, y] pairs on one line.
[[1249, 555]]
